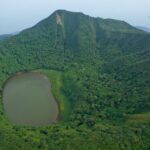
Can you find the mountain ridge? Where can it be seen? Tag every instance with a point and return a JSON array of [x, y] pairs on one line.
[[104, 22], [70, 30]]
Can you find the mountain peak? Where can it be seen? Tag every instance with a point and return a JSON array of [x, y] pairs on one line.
[[60, 11], [59, 19], [73, 21], [106, 24]]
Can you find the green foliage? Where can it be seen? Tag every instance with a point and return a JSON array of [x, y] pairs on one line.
[[99, 70]]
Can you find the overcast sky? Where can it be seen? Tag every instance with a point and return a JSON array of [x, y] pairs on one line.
[[16, 15]]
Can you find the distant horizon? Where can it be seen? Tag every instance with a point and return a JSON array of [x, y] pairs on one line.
[[17, 15]]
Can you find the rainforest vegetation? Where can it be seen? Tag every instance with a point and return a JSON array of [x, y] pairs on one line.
[[99, 69]]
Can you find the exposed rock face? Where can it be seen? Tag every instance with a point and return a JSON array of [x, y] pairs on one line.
[[59, 19]]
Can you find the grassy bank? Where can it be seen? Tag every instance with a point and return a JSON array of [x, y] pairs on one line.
[[55, 78]]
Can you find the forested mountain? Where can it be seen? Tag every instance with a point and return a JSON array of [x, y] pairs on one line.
[[4, 36], [103, 70]]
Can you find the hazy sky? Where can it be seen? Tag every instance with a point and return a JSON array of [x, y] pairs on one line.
[[16, 15]]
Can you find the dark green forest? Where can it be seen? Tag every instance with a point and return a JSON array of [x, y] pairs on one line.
[[100, 74]]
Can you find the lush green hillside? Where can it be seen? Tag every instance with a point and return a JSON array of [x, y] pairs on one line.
[[101, 79]]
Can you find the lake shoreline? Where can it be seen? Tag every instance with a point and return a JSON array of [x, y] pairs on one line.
[[59, 116]]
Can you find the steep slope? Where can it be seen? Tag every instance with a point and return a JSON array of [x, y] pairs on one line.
[[66, 32], [105, 72]]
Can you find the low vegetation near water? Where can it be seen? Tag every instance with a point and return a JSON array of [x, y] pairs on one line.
[[56, 79], [100, 77]]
